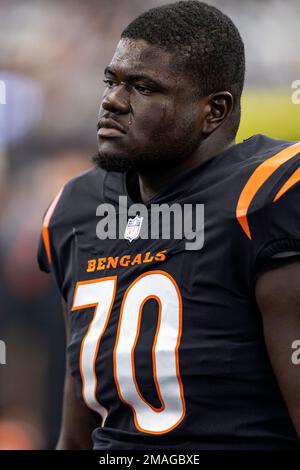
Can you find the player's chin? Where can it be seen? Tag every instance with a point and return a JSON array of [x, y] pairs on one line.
[[113, 159]]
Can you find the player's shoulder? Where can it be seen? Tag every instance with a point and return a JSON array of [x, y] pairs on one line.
[[91, 180], [249, 165], [268, 152], [77, 197], [268, 172], [266, 160]]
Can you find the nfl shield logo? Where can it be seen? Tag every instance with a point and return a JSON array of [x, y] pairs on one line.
[[133, 228]]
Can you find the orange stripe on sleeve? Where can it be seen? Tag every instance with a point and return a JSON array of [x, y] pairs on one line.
[[257, 179], [46, 222], [293, 179]]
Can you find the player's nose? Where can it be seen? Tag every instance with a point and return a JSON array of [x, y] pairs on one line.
[[116, 101]]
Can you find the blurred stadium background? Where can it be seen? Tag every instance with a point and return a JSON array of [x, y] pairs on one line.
[[52, 54]]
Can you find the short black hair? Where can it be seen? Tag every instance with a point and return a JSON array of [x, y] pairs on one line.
[[207, 44]]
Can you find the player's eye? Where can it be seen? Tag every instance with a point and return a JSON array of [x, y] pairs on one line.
[[142, 89], [109, 83]]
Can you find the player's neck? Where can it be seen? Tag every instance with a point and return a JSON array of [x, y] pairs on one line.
[[152, 183]]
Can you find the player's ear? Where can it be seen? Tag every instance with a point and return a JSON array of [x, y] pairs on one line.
[[218, 106]]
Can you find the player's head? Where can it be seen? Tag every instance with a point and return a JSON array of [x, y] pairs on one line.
[[175, 80]]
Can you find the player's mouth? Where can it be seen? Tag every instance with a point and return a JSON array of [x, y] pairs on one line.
[[108, 127]]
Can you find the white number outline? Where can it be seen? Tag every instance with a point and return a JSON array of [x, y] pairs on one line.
[[92, 402]]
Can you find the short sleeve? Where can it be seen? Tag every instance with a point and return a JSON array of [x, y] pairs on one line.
[[46, 243], [42, 258], [276, 227]]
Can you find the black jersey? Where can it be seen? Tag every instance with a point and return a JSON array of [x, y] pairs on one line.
[[167, 344]]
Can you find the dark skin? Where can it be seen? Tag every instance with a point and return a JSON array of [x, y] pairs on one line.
[[78, 421], [278, 297], [158, 112], [158, 109]]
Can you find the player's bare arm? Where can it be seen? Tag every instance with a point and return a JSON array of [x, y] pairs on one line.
[[278, 297], [78, 421]]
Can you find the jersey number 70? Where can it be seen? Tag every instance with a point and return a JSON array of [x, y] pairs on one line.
[[100, 294]]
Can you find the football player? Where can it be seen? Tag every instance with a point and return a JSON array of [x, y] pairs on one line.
[[169, 347]]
